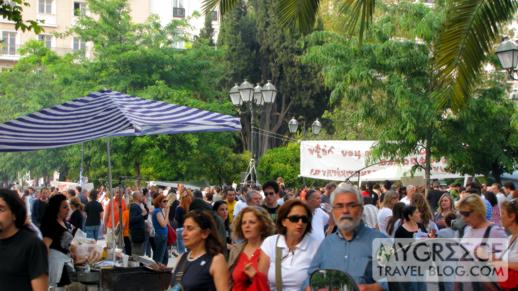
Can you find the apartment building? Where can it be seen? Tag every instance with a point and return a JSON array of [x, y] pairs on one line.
[[59, 15]]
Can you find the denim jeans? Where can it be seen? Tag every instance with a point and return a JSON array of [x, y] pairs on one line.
[[92, 231], [161, 254], [180, 247]]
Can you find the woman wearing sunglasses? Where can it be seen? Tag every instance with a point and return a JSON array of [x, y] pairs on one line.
[[473, 212], [287, 255], [159, 218]]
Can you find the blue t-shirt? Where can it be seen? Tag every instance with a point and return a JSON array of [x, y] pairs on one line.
[[158, 228], [489, 208]]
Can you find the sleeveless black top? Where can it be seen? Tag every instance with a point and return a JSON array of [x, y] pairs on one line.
[[194, 275]]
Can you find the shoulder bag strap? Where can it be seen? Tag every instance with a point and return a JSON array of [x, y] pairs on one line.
[[488, 230], [181, 267], [278, 274]]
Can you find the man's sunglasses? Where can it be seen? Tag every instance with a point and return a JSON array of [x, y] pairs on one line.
[[297, 218], [269, 193]]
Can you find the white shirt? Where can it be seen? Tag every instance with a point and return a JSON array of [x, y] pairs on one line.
[[294, 264], [500, 197], [370, 216], [405, 200], [511, 253], [238, 207], [318, 223], [383, 217], [280, 201]]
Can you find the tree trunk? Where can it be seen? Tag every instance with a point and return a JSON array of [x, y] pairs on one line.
[[497, 171]]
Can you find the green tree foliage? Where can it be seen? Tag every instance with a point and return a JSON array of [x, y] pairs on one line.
[[386, 87], [481, 138], [259, 48], [135, 59], [207, 32], [12, 10], [466, 38], [281, 162]]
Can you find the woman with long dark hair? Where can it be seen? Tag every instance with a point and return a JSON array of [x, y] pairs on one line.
[[396, 219], [411, 227], [204, 266], [296, 246], [220, 207], [57, 235]]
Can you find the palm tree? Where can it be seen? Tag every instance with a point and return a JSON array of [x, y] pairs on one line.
[[469, 33]]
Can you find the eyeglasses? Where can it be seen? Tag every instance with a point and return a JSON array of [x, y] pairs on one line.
[[269, 193], [465, 213], [349, 206], [297, 218]]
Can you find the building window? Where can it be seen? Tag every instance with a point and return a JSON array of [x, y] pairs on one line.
[[45, 6], [8, 43], [46, 39], [79, 8], [178, 9], [79, 45], [178, 3], [214, 15]]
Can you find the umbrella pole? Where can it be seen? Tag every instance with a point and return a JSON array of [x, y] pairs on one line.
[[110, 185], [81, 179]]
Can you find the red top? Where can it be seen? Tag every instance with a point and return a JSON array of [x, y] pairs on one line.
[[242, 281]]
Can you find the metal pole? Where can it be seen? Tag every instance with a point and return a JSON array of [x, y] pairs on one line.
[[252, 129], [111, 195], [81, 179], [252, 136]]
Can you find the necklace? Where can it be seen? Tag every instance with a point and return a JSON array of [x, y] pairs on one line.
[[190, 258]]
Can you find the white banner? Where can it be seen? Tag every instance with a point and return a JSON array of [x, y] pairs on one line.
[[64, 186], [337, 160]]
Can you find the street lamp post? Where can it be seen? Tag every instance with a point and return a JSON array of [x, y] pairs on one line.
[[507, 53], [293, 125], [252, 98]]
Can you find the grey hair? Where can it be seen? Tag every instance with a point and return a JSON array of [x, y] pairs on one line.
[[347, 188], [250, 195]]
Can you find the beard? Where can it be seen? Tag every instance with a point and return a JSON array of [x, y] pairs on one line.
[[347, 223]]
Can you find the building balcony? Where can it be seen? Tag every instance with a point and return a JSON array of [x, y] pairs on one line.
[[9, 53], [47, 20]]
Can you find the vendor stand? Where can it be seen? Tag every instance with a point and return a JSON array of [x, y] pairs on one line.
[[105, 114]]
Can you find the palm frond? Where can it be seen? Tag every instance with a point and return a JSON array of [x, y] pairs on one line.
[[360, 11], [302, 13], [470, 30], [224, 5]]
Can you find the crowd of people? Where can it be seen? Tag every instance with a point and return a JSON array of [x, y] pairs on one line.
[[251, 238]]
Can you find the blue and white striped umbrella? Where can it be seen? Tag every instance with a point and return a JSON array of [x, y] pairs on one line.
[[106, 113]]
